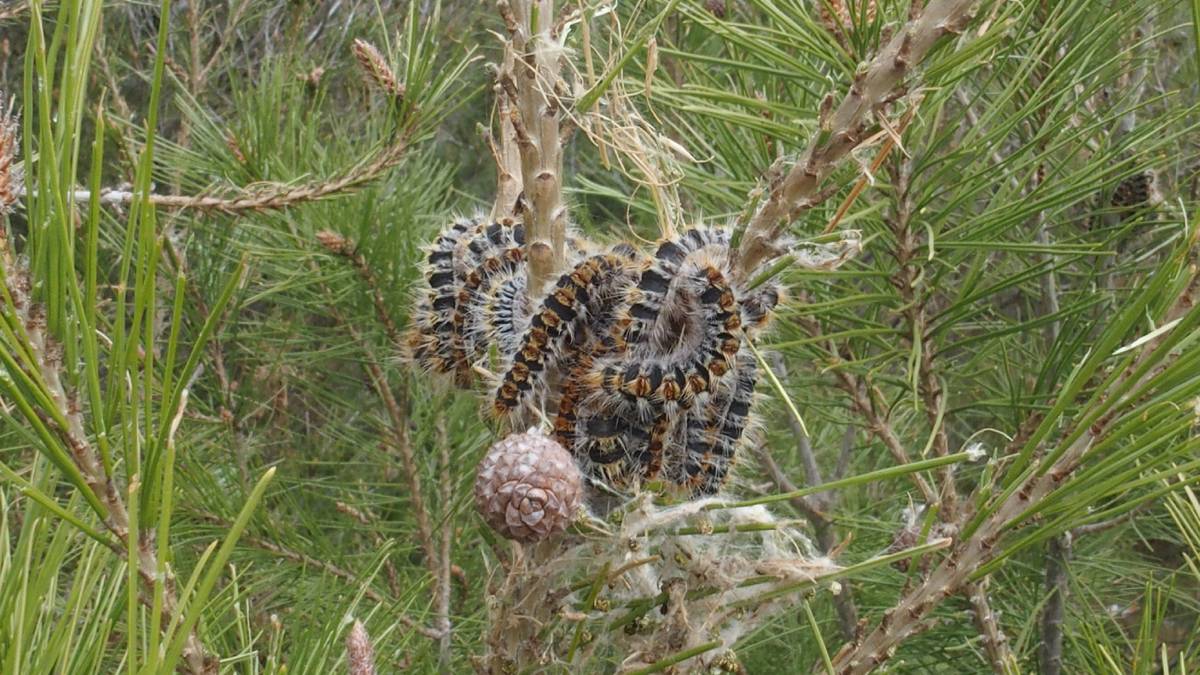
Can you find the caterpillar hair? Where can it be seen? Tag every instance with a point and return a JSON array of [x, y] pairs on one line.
[[499, 249], [714, 432], [432, 326], [653, 382], [576, 296]]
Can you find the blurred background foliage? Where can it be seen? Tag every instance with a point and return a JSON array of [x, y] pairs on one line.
[[1018, 146]]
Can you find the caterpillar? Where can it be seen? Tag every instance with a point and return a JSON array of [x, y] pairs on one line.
[[648, 298], [713, 433], [707, 338], [499, 252], [432, 323], [564, 312], [643, 358], [505, 310]]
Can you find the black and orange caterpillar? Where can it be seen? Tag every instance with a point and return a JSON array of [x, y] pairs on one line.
[[643, 359], [431, 331], [577, 304]]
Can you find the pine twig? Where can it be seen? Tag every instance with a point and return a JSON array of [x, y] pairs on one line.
[[863, 397], [401, 441], [1050, 652], [537, 128], [906, 280], [348, 249], [845, 128], [881, 428], [814, 511], [444, 563], [509, 181], [254, 200], [907, 617], [995, 642], [305, 560]]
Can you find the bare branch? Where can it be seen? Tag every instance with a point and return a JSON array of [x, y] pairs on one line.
[[537, 127]]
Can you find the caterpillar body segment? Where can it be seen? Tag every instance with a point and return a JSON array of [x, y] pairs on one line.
[[429, 338], [499, 252], [485, 250], [505, 310], [710, 339], [714, 432], [617, 450], [650, 301], [758, 306], [578, 297]]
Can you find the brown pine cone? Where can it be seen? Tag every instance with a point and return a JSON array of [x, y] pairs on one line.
[[835, 16], [1133, 192], [528, 487]]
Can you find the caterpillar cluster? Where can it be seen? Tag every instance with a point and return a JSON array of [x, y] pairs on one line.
[[643, 359]]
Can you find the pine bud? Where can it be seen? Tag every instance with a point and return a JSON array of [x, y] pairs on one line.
[[376, 67], [360, 655], [527, 487]]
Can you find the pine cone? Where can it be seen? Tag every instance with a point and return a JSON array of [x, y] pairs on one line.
[[839, 21], [527, 487], [1133, 192]]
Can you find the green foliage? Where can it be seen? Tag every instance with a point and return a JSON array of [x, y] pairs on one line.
[[239, 384]]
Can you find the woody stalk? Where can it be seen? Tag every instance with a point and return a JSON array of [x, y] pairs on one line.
[[845, 127], [530, 81]]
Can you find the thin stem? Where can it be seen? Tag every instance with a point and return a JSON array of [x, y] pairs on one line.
[[269, 199], [442, 599], [1050, 652]]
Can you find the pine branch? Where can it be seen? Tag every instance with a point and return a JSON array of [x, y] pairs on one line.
[[48, 356], [305, 560], [995, 642], [444, 562], [348, 249], [262, 199], [507, 154], [907, 616], [1058, 554], [845, 128], [814, 510]]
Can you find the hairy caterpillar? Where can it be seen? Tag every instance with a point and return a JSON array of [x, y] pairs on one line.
[[429, 338], [577, 297], [498, 252], [644, 359]]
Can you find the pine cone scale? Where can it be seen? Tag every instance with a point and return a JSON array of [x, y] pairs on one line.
[[528, 487]]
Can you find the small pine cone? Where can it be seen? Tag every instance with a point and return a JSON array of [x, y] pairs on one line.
[[839, 21], [528, 487], [1133, 192]]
